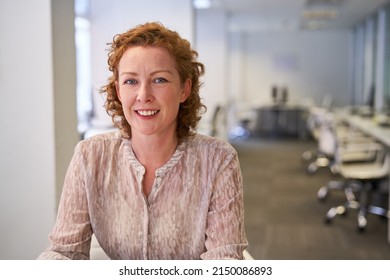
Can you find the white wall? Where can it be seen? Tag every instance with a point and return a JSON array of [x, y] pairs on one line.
[[211, 44], [64, 77], [29, 142], [241, 67], [310, 64], [112, 17]]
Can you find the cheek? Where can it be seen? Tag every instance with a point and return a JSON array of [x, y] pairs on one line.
[[126, 98]]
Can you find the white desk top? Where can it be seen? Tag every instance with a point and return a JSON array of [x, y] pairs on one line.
[[368, 126]]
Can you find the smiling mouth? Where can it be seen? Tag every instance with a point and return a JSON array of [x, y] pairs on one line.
[[147, 113]]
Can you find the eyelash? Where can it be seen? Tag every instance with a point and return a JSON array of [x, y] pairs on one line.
[[156, 80], [161, 80], [130, 82]]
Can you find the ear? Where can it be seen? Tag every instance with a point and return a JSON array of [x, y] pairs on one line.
[[186, 90]]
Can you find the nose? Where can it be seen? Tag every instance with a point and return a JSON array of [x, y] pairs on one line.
[[145, 93]]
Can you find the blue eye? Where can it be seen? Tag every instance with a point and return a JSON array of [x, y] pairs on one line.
[[160, 80], [130, 82]]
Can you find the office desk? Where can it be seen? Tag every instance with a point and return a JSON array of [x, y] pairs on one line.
[[280, 120], [368, 126]]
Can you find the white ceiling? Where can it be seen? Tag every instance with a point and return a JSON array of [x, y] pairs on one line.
[[263, 15]]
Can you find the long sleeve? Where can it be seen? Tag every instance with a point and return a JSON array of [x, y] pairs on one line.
[[71, 235], [225, 232]]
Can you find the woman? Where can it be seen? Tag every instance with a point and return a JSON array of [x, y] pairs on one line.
[[154, 189]]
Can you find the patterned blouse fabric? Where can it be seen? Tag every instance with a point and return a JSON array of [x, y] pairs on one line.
[[194, 211]]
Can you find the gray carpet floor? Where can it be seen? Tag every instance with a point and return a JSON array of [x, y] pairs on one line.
[[284, 220]]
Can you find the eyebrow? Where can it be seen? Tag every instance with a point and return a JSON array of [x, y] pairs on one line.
[[153, 73]]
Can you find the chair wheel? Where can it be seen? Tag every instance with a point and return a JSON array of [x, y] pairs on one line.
[[329, 216], [312, 168], [307, 156], [322, 193], [362, 223], [335, 169]]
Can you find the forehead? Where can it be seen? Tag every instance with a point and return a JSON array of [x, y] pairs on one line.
[[147, 55]]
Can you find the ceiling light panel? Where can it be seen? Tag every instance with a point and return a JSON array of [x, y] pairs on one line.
[[324, 3], [320, 14]]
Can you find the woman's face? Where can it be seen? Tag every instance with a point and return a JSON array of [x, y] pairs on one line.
[[150, 90]]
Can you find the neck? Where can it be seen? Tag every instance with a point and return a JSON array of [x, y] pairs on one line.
[[153, 152]]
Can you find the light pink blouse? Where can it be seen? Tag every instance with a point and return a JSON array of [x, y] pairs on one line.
[[194, 211]]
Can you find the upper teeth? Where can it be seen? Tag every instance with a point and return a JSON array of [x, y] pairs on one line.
[[147, 113]]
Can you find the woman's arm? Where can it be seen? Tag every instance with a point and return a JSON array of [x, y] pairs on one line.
[[225, 232], [71, 235]]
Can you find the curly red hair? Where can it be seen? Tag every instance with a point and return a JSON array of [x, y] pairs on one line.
[[156, 35]]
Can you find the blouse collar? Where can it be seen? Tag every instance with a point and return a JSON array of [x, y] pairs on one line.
[[163, 169]]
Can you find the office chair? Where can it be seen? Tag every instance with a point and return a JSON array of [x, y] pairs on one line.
[[361, 181], [313, 124], [331, 135], [348, 154], [340, 143]]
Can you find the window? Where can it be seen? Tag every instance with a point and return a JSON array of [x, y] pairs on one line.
[[83, 64]]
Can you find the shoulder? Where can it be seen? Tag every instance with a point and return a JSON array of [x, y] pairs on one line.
[[108, 140], [210, 145], [102, 137], [211, 155]]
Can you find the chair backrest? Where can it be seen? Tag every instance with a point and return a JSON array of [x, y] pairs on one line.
[[327, 141]]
